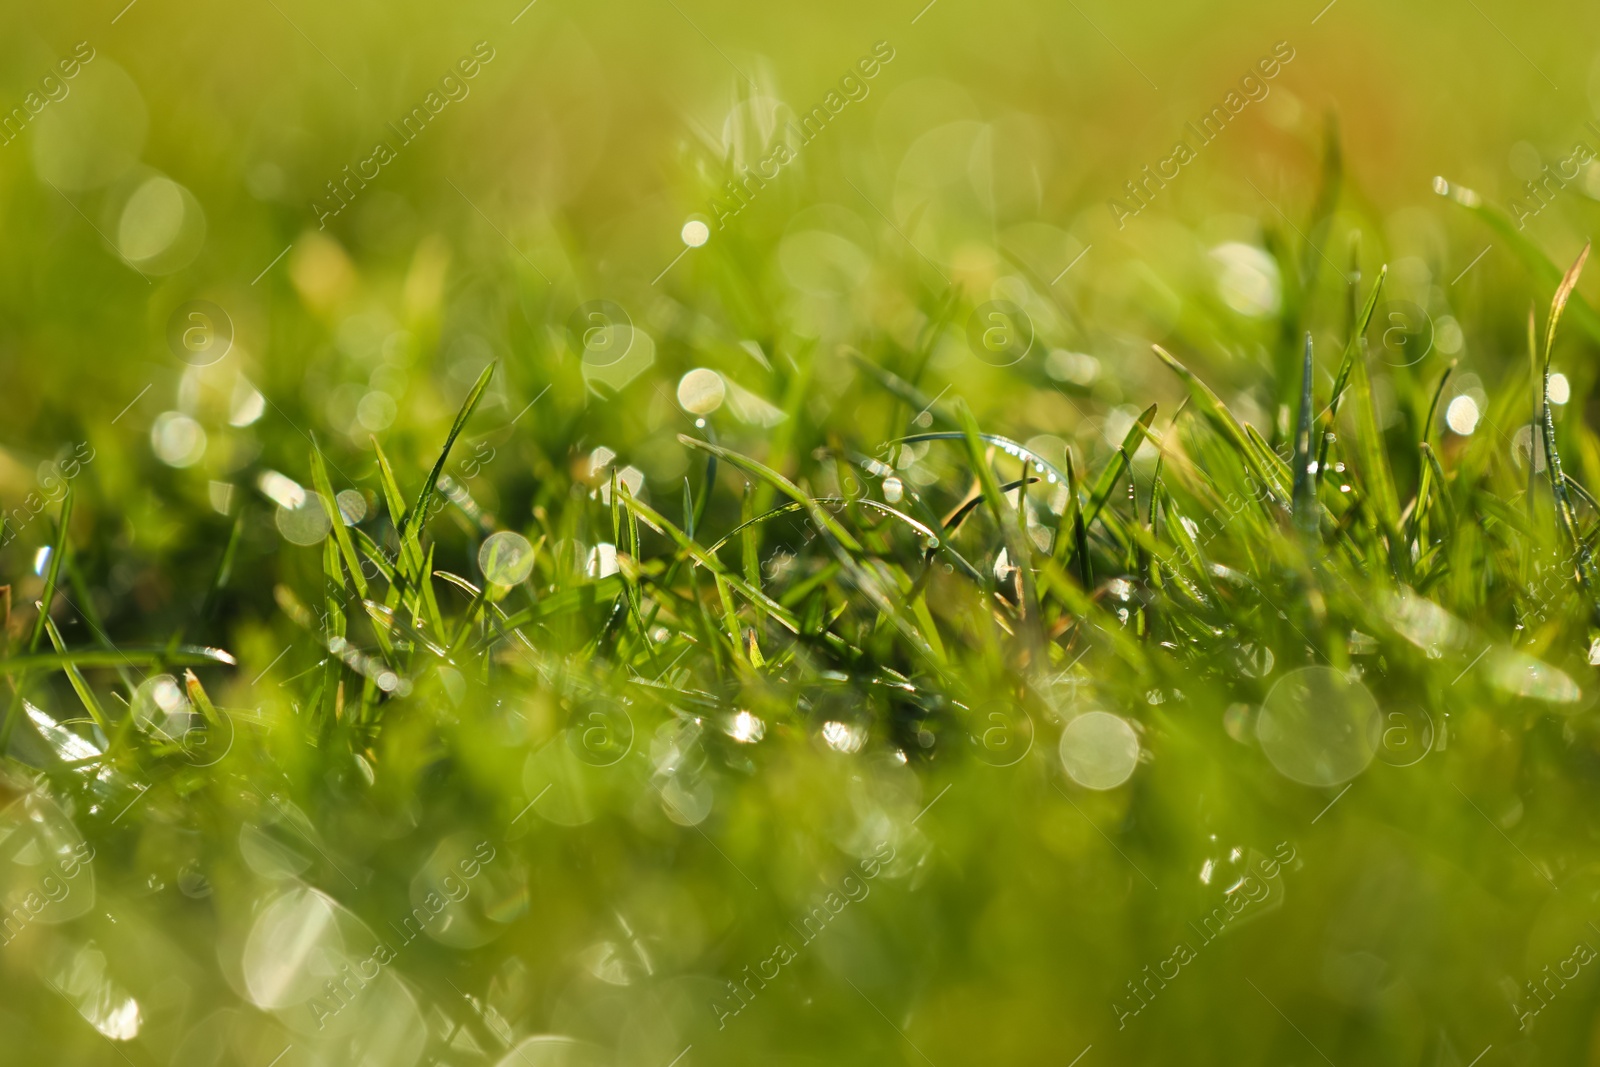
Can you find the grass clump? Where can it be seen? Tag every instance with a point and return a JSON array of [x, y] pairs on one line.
[[888, 732]]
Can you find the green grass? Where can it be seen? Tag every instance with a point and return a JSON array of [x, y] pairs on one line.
[[780, 702]]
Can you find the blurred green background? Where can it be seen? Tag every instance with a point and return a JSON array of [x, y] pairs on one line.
[[183, 168]]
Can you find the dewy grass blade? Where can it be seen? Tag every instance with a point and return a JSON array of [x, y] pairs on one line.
[[135, 655], [52, 575], [58, 551], [341, 534], [1358, 328], [411, 527], [1306, 518], [80, 685], [1558, 486], [780, 483]]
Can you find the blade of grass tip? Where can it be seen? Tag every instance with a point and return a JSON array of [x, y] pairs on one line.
[[1063, 543], [224, 568], [52, 571], [52, 576], [79, 685], [1358, 330], [1123, 460], [406, 562], [1379, 481], [411, 526], [200, 698], [1305, 470], [1210, 405], [1433, 407], [341, 533], [1080, 531], [1552, 456], [140, 655]]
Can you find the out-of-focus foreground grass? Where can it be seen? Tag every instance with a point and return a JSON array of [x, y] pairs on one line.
[[638, 535]]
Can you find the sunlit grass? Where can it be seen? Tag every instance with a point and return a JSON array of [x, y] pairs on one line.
[[801, 685]]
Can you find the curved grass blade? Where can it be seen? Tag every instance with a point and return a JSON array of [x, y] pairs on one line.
[[1358, 330], [52, 575], [1558, 481], [142, 655], [1216, 413], [411, 526], [777, 481], [79, 685], [341, 533]]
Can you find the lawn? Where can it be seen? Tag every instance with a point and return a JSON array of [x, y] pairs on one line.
[[672, 536]]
